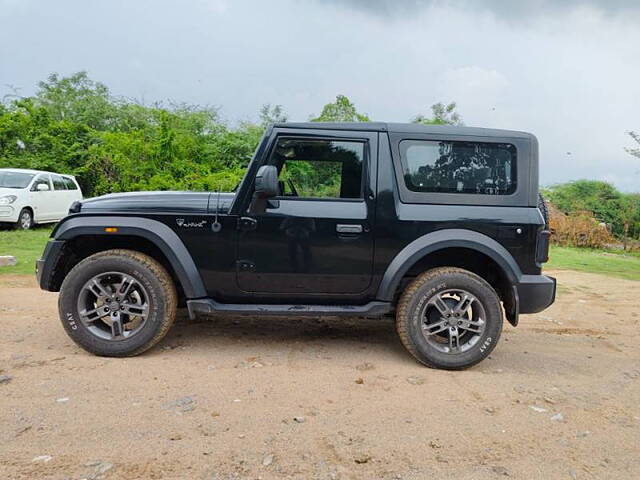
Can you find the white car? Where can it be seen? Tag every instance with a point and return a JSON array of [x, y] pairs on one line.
[[28, 197]]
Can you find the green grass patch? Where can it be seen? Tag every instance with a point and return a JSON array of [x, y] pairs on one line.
[[595, 261], [26, 246]]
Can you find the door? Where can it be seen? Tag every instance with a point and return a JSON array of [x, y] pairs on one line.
[[42, 201], [60, 197], [316, 236]]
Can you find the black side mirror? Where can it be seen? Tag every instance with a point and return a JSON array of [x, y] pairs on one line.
[[267, 182], [266, 187]]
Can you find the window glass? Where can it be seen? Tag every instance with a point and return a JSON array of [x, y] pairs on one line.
[[70, 184], [42, 179], [319, 168], [459, 167], [58, 183], [10, 179]]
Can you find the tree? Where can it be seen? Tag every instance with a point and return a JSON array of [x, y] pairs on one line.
[[441, 115], [77, 98], [342, 110], [634, 151], [271, 114]]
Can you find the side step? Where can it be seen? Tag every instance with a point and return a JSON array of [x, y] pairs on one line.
[[207, 305]]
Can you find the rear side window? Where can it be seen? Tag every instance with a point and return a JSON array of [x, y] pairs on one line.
[[58, 183], [70, 184], [459, 167]]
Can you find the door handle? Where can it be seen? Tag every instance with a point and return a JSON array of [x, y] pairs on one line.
[[351, 228]]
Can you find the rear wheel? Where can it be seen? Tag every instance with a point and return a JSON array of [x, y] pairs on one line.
[[25, 219], [117, 303], [449, 318]]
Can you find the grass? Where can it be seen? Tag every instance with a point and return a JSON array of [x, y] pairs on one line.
[[595, 261], [28, 246]]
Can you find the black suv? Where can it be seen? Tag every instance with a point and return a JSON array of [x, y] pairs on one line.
[[440, 225]]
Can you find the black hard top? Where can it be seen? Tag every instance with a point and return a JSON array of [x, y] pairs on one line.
[[407, 128]]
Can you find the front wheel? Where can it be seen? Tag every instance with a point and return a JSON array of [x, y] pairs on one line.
[[25, 219], [117, 303], [449, 318]]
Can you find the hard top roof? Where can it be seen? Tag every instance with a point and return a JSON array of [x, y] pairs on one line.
[[406, 128]]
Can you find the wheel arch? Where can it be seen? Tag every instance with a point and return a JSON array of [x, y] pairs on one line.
[[85, 236], [434, 248]]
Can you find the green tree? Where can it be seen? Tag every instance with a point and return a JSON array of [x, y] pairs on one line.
[[342, 110], [271, 114], [441, 114]]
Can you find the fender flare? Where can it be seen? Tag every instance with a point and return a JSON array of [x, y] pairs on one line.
[[156, 232], [438, 240]]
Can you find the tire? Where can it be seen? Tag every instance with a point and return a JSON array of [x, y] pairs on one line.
[[424, 330], [25, 219], [136, 321], [542, 206]]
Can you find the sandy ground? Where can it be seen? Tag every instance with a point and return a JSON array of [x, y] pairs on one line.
[[264, 398]]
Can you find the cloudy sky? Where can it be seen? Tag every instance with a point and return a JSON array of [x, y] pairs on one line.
[[567, 71]]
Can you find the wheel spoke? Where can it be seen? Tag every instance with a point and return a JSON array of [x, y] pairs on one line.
[[125, 286], [116, 325], [465, 302], [434, 328], [473, 326], [97, 289], [133, 309], [454, 339], [440, 304], [90, 316]]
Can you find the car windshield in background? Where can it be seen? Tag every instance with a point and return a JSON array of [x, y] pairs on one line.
[[15, 179]]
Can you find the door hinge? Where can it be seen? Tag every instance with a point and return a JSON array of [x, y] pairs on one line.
[[247, 223]]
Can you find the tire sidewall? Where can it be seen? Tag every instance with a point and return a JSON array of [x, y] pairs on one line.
[[489, 338], [70, 317]]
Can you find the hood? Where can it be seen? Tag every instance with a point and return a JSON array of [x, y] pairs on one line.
[[158, 202]]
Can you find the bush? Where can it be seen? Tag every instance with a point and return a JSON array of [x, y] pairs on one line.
[[580, 229]]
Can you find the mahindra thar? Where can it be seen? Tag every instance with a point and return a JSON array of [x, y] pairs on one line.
[[439, 226]]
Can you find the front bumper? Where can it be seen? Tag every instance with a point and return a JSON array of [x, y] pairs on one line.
[[8, 214], [47, 266], [535, 293]]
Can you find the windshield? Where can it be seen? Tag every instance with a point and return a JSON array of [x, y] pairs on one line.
[[15, 179]]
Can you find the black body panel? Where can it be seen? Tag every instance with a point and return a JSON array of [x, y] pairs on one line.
[[329, 254]]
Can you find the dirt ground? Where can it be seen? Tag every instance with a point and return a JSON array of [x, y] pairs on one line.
[[306, 399]]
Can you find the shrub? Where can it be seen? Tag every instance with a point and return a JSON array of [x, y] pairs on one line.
[[580, 229]]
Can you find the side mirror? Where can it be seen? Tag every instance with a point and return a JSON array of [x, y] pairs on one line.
[[42, 187], [267, 182], [266, 187]]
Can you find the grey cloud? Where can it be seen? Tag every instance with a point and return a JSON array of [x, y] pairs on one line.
[[504, 9], [573, 83]]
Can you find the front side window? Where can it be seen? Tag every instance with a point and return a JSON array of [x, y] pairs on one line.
[[459, 167], [41, 180], [319, 168]]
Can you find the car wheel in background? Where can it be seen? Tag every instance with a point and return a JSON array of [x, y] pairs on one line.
[[25, 219]]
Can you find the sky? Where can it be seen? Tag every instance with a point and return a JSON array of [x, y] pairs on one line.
[[567, 71]]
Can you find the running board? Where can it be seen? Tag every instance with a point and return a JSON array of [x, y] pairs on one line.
[[207, 305]]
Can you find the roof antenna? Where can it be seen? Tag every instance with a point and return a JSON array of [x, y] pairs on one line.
[[216, 226]]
